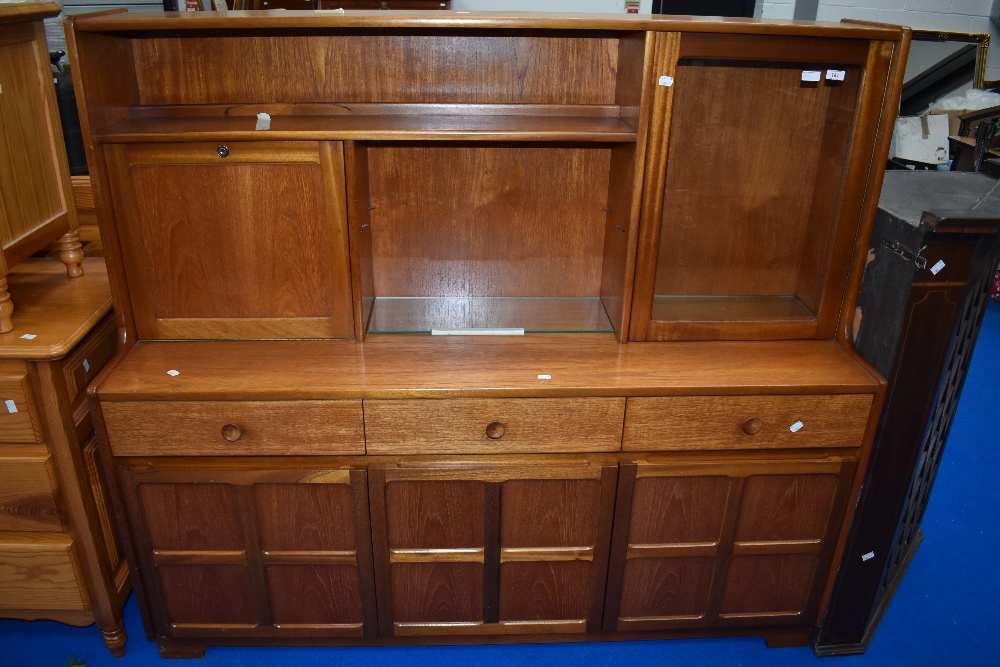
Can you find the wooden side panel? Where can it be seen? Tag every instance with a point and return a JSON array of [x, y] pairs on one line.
[[278, 243], [478, 221], [32, 193], [27, 502], [510, 69]]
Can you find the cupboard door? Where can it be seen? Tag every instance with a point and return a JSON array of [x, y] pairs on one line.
[[715, 545], [490, 549], [264, 553], [235, 240], [739, 239]]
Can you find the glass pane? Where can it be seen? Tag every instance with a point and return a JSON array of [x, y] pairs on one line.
[[755, 176]]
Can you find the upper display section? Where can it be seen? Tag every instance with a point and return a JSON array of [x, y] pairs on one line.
[[312, 175]]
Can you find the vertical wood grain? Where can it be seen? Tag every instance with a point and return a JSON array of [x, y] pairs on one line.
[[380, 549], [492, 522], [363, 526], [359, 234]]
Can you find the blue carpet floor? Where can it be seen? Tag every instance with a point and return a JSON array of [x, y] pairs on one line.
[[946, 612]]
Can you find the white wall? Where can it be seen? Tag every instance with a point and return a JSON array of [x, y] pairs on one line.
[[967, 16]]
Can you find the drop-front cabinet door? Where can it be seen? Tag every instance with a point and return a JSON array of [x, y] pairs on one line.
[[234, 240], [717, 545], [491, 549], [253, 552]]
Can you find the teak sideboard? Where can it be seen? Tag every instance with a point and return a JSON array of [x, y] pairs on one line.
[[310, 436]]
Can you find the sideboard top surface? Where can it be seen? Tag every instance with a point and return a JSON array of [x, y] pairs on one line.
[[390, 366], [53, 314], [254, 20]]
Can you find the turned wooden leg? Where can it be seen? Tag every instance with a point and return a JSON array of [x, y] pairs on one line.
[[71, 253], [115, 639], [6, 308]]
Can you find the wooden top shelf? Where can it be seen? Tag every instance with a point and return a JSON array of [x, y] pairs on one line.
[[391, 366], [122, 21], [375, 128], [56, 311]]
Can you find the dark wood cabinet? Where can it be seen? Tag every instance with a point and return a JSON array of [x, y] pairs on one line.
[[933, 255]]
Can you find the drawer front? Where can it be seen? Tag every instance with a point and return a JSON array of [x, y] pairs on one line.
[[27, 502], [494, 426], [746, 422], [236, 428], [87, 359], [18, 416], [40, 571]]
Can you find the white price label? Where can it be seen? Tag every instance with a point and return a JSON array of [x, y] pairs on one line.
[[936, 269], [11, 406], [835, 74], [666, 81], [810, 75], [86, 366], [868, 556], [173, 373], [796, 427]]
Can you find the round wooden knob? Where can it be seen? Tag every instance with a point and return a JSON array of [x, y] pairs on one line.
[[495, 430], [751, 426], [231, 432]]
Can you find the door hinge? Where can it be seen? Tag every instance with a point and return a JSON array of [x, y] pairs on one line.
[[906, 253]]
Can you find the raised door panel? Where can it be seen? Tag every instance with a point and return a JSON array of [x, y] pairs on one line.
[[19, 420], [254, 552], [491, 549], [713, 544], [235, 240]]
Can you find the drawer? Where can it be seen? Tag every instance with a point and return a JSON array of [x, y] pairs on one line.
[[237, 428], [87, 359], [494, 426], [746, 422], [18, 415], [27, 501], [40, 571]]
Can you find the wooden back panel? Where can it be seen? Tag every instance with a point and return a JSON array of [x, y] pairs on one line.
[[469, 67], [488, 221]]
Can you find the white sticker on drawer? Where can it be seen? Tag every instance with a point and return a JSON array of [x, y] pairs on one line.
[[29, 336], [544, 376], [835, 74], [263, 122], [796, 427], [173, 373], [665, 81], [11, 406], [809, 75], [868, 556], [86, 366], [936, 269]]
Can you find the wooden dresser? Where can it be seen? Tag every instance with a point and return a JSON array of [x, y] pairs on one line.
[[495, 326], [60, 557], [36, 200]]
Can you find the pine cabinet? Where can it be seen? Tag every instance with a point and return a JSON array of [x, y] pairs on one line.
[[504, 327]]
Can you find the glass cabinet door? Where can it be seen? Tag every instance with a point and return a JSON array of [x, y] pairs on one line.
[[758, 204]]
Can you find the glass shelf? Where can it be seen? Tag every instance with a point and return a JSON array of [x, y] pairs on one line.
[[532, 314]]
